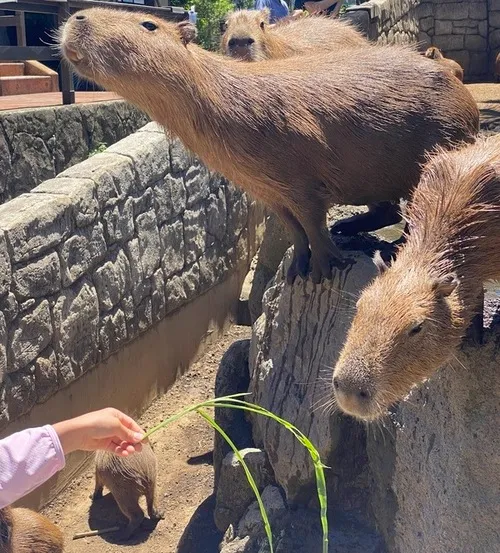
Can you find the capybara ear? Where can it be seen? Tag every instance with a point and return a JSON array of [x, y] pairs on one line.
[[379, 262], [444, 286], [187, 31], [265, 17]]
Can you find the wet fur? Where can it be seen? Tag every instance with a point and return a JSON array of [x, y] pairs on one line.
[[436, 280], [25, 531], [435, 54], [128, 479], [299, 134], [295, 36]]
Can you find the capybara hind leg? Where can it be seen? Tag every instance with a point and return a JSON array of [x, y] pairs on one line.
[[378, 216], [129, 506], [301, 252], [475, 331], [153, 512], [98, 488]]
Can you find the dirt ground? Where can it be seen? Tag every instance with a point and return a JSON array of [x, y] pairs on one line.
[[185, 484]]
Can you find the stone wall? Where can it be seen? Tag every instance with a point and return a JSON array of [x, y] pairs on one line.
[[37, 144], [91, 259], [467, 31]]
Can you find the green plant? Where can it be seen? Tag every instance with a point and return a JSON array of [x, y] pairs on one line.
[[98, 149], [235, 402]]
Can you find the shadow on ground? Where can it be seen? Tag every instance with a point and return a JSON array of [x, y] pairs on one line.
[[201, 529]]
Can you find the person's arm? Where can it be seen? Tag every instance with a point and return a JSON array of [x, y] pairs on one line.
[[30, 457], [322, 6]]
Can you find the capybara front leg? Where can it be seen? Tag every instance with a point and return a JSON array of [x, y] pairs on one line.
[[475, 331], [325, 256], [153, 512], [378, 216], [301, 252]]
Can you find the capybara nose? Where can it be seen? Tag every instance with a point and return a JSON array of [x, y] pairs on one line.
[[350, 392], [80, 17]]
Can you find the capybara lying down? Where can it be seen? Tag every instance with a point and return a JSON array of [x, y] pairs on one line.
[[300, 134], [412, 317], [25, 531], [434, 53], [248, 36], [128, 479]]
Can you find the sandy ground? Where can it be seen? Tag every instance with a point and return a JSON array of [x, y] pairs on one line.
[[185, 484]]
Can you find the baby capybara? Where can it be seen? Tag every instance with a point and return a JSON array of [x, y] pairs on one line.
[[128, 479], [25, 531], [412, 317], [249, 37], [435, 54], [300, 134]]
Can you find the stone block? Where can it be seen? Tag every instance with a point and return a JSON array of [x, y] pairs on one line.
[[175, 293], [478, 10], [76, 323], [170, 197], [35, 223], [172, 242], [158, 296], [9, 307], [427, 23], [149, 242], [495, 39], [140, 285], [46, 374], [21, 392], [494, 19], [37, 278], [195, 234], [476, 43], [112, 332], [5, 163], [180, 158], [217, 214], [196, 180], [144, 315], [449, 42], [237, 211], [118, 221], [478, 63], [145, 202], [443, 28], [81, 252], [112, 280], [5, 267], [251, 524], [425, 9], [150, 154], [70, 139], [482, 28], [30, 334], [453, 11]]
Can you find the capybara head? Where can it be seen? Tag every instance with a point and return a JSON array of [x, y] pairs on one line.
[[399, 335], [244, 34], [103, 48], [433, 53]]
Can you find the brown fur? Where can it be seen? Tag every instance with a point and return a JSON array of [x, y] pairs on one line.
[[434, 53], [299, 134], [412, 317], [497, 68], [249, 37], [128, 479], [25, 531]]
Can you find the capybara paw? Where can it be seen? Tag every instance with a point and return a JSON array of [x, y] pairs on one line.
[[321, 268], [157, 515], [298, 267]]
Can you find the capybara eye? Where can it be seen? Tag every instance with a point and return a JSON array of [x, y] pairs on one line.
[[262, 25], [416, 329], [149, 25]]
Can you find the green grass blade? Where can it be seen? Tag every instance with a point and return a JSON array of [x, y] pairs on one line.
[[248, 474]]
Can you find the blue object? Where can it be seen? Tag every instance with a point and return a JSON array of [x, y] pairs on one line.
[[278, 8]]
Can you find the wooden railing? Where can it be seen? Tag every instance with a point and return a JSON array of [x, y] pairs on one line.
[[62, 9]]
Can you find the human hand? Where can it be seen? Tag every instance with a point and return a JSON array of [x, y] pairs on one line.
[[107, 429], [314, 8]]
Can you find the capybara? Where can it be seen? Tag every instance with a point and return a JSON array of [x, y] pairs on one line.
[[413, 316], [128, 479], [435, 54], [25, 531], [497, 68], [300, 134], [249, 37]]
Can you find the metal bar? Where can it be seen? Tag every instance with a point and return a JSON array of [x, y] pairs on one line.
[[67, 87], [20, 53], [20, 29]]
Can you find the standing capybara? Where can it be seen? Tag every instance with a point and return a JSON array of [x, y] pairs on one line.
[[412, 317], [25, 531], [249, 37], [435, 54], [300, 134], [128, 479]]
